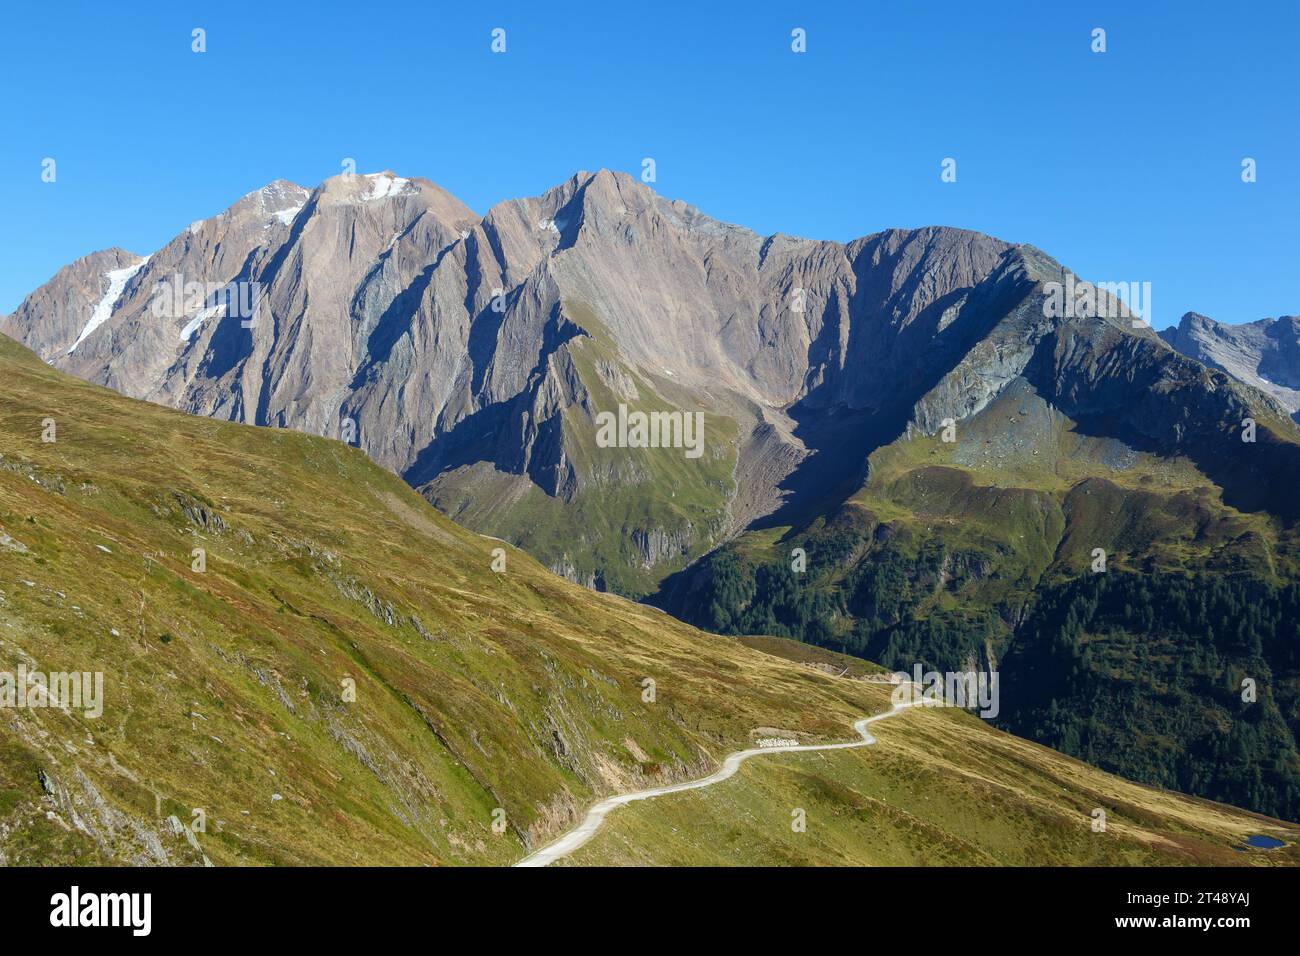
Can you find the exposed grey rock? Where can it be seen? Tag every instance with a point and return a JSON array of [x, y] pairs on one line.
[[565, 568], [11, 544], [351, 588], [421, 629], [199, 514], [1263, 354], [655, 545]]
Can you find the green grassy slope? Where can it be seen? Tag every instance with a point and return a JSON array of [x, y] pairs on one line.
[[225, 689], [940, 788]]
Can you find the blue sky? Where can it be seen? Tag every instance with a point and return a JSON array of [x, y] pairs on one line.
[[1124, 165]]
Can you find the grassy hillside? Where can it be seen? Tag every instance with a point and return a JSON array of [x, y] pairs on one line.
[[225, 689]]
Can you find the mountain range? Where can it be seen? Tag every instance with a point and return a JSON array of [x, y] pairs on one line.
[[910, 451]]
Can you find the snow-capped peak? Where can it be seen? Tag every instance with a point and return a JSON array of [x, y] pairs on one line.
[[384, 185]]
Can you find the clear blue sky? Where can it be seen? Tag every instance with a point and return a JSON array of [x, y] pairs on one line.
[[1125, 166]]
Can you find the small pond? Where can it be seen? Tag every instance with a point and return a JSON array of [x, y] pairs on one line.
[[1263, 842]]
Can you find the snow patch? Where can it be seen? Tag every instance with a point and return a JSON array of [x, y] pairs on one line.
[[194, 324], [117, 280], [287, 216], [384, 186], [556, 225]]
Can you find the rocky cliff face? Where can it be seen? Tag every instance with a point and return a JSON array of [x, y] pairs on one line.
[[1264, 354], [81, 296], [473, 355]]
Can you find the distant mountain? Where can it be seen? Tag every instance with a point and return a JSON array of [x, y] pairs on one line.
[[1265, 354], [914, 445]]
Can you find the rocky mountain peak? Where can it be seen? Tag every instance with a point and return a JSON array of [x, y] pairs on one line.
[[377, 193], [1264, 353], [279, 200]]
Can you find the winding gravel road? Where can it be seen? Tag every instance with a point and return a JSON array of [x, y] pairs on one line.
[[585, 830]]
